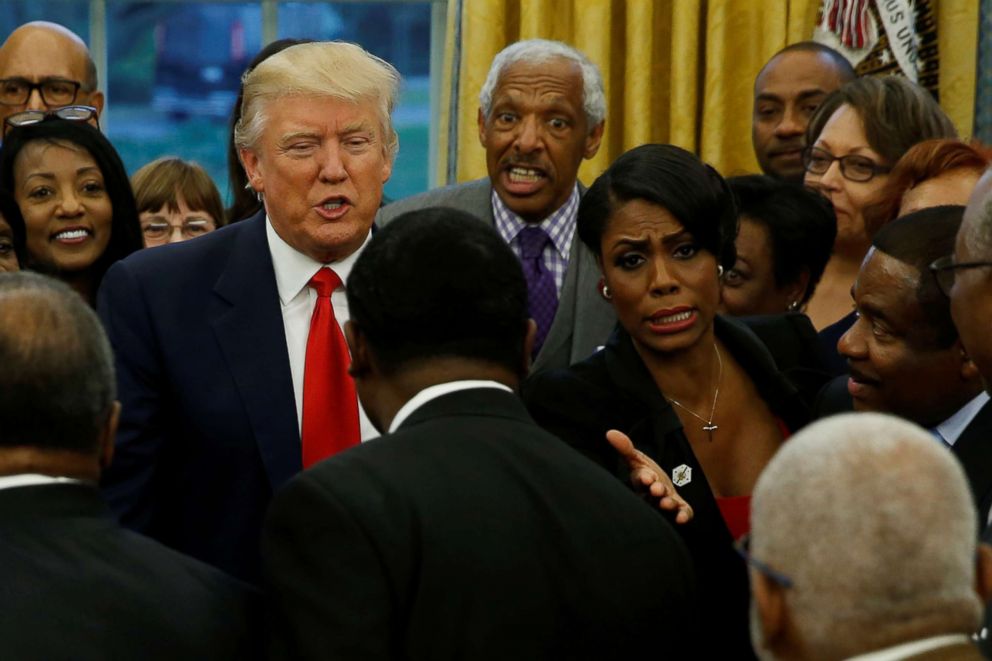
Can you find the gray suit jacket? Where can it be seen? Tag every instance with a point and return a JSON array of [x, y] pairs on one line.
[[584, 319]]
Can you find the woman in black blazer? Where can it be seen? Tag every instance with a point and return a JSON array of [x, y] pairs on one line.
[[701, 395]]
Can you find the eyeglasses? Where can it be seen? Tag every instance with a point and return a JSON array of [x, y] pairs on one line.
[[54, 91], [852, 167], [158, 232], [743, 548], [943, 270], [69, 113]]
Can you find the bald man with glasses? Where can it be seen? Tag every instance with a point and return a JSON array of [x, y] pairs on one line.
[[45, 66]]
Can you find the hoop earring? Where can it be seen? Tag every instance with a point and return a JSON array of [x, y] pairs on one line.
[[719, 271], [604, 290]]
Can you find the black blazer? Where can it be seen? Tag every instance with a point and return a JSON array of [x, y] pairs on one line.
[[613, 389], [209, 428], [470, 533], [973, 447], [75, 585]]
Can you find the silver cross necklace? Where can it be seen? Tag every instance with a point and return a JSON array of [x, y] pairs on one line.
[[708, 425]]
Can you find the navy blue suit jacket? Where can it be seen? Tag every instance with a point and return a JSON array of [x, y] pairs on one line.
[[209, 428]]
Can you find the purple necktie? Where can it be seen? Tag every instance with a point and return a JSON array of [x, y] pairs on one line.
[[542, 294]]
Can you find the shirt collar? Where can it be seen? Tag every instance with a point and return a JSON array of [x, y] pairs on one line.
[[294, 269], [433, 392], [560, 225], [913, 648], [33, 479], [951, 429]]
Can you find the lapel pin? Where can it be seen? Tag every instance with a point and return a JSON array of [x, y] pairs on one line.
[[682, 475]]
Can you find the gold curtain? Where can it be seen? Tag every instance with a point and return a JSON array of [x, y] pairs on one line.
[[678, 71]]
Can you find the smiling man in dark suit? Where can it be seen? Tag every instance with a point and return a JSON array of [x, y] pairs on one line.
[[542, 111], [74, 584], [904, 353], [232, 365], [465, 531]]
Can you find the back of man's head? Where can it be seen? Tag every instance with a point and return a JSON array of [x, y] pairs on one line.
[[873, 522], [917, 239], [57, 383], [439, 284]]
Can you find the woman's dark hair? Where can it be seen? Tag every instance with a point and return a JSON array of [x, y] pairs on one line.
[[125, 230], [244, 203], [8, 207], [674, 179], [801, 226], [896, 114]]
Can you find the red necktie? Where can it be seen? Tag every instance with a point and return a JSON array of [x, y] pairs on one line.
[[330, 406]]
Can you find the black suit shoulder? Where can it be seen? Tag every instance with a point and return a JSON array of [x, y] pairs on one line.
[[77, 585], [470, 535]]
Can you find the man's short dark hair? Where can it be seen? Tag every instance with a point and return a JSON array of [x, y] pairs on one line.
[[439, 283], [844, 67], [56, 367], [917, 239], [801, 226]]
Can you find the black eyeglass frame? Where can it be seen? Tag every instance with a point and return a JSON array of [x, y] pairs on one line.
[[743, 546], [947, 264], [68, 113], [845, 163], [40, 86]]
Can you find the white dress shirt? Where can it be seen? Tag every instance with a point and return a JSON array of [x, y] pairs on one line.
[[433, 392], [293, 271], [914, 648], [950, 429], [33, 479]]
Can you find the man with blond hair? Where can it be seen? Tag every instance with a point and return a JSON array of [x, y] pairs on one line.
[[863, 542], [232, 366], [44, 66]]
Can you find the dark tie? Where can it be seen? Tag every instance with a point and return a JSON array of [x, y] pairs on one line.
[[330, 406], [542, 294]]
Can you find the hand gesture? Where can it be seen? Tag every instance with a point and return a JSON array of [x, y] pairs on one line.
[[648, 477]]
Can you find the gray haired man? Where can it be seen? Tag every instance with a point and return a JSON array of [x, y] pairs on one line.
[[542, 112]]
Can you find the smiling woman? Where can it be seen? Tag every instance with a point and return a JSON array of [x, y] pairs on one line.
[[75, 212], [698, 393]]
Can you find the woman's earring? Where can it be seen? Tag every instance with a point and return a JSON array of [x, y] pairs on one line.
[[719, 271], [604, 290], [794, 306]]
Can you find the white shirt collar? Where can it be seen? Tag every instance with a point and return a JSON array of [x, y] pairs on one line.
[[950, 430], [294, 269], [433, 392], [913, 648], [33, 479]]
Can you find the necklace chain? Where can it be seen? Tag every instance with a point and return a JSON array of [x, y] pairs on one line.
[[708, 425]]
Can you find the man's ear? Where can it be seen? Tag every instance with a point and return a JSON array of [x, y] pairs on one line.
[[983, 572], [360, 359], [107, 435], [482, 128], [967, 369], [529, 336], [249, 159], [769, 600], [96, 100], [593, 140]]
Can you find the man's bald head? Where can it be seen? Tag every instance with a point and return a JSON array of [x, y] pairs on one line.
[[40, 51]]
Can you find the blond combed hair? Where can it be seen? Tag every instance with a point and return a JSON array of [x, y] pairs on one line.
[[319, 69]]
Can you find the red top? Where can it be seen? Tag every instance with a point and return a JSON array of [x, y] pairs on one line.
[[736, 510]]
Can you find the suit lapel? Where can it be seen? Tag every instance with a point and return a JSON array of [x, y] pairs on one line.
[[247, 319]]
